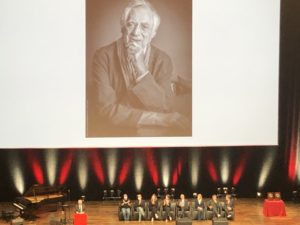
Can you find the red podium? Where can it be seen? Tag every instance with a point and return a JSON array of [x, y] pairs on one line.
[[274, 208], [80, 219]]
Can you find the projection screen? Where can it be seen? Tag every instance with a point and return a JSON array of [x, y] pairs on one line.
[[221, 59]]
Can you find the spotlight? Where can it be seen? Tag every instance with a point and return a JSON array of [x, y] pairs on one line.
[[158, 192], [166, 191], [233, 192], [225, 190], [295, 195], [219, 192], [104, 194], [112, 193], [258, 194], [119, 192], [194, 195], [173, 193]]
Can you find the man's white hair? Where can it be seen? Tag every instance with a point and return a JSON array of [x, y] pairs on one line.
[[136, 3]]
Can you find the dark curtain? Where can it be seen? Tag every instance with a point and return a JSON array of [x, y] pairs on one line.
[[289, 111]]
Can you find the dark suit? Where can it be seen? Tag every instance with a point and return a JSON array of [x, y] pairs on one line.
[[214, 207], [200, 207], [229, 207], [80, 209], [182, 207]]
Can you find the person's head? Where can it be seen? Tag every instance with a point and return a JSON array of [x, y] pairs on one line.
[[153, 198], [199, 196], [214, 197], [125, 197], [139, 23], [167, 197], [182, 197], [80, 201], [139, 197]]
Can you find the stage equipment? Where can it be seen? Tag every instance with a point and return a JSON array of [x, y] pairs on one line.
[[184, 221], [37, 196], [219, 221]]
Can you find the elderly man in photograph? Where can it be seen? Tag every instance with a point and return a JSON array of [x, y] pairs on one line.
[[133, 80]]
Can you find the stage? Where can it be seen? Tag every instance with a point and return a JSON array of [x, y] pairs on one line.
[[248, 211]]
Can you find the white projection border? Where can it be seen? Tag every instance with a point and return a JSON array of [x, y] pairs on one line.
[[42, 75]]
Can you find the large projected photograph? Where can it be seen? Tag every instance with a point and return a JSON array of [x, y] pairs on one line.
[[139, 68], [139, 73]]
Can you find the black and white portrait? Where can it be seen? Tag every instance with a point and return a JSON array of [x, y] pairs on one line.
[[139, 68]]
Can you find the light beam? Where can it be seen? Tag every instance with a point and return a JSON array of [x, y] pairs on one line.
[[51, 165]]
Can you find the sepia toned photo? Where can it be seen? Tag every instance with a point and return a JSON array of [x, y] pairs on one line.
[[138, 68]]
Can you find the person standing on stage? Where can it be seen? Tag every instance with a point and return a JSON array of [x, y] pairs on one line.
[[125, 207], [80, 207], [140, 206], [153, 207], [199, 206]]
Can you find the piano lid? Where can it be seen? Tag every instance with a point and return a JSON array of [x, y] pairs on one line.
[[37, 189]]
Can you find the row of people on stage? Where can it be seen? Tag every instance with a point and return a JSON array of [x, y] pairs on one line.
[[182, 207]]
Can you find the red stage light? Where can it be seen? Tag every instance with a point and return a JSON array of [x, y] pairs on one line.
[[65, 168], [152, 167], [97, 166], [240, 169], [177, 172], [212, 170], [36, 167], [292, 164], [125, 169]]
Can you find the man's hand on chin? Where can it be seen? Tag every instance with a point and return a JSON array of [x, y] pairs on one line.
[[137, 58]]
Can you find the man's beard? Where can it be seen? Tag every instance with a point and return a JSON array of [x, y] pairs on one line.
[[134, 45]]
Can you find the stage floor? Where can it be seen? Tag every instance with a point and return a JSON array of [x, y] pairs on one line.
[[248, 212]]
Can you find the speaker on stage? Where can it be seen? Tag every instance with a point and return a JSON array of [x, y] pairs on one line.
[[219, 221], [183, 221]]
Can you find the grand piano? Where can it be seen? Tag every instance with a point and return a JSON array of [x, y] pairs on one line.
[[39, 195]]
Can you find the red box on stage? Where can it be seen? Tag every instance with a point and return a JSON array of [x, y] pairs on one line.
[[274, 208], [80, 219]]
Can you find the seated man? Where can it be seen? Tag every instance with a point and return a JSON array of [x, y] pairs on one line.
[[125, 207], [214, 206], [80, 207], [200, 207], [182, 205], [132, 79], [139, 206]]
